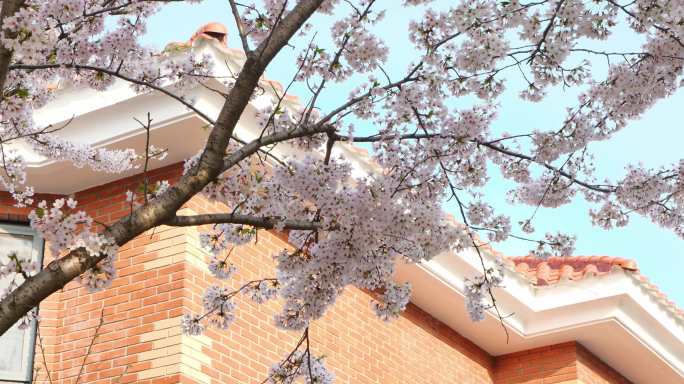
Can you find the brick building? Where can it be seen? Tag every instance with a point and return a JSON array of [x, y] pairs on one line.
[[590, 320]]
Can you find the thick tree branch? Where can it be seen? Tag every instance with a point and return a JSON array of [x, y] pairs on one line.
[[254, 146], [9, 8], [257, 222]]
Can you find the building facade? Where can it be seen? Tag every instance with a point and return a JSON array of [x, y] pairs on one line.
[[590, 320]]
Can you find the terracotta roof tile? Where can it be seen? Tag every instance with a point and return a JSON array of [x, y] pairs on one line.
[[566, 272], [554, 269], [551, 271]]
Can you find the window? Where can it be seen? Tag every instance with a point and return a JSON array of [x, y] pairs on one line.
[[17, 345]]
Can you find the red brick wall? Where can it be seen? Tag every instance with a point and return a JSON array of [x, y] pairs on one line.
[[591, 370], [130, 332], [110, 327], [552, 364], [561, 363]]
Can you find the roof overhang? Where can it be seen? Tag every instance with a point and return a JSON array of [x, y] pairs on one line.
[[614, 316], [106, 119]]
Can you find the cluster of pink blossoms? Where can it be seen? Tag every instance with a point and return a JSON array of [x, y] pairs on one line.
[[66, 229], [430, 151]]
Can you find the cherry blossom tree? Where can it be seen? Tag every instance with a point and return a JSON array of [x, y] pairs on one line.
[[428, 148]]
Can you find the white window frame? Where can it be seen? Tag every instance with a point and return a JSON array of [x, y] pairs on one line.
[[29, 342]]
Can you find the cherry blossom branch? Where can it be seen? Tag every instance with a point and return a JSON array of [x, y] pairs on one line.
[[549, 27], [355, 100], [559, 171], [452, 189], [479, 255], [218, 305], [411, 75], [299, 365], [660, 28], [336, 59], [281, 97], [553, 181], [477, 249], [518, 237], [308, 354], [117, 9], [277, 20], [231, 294], [231, 218], [294, 350], [611, 53], [487, 144], [43, 131], [240, 26], [254, 146], [160, 210]]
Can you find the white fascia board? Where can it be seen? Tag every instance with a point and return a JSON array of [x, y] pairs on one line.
[[72, 102], [106, 119]]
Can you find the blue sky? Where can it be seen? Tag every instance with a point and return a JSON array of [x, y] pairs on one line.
[[653, 140]]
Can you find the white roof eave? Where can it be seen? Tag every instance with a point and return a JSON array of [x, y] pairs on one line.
[[599, 312]]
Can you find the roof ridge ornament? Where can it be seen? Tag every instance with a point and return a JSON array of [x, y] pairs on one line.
[[211, 31]]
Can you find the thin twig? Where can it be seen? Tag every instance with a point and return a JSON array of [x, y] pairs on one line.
[[42, 352], [240, 26], [90, 347]]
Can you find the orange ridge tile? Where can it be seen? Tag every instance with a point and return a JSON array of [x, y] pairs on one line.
[[553, 270]]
